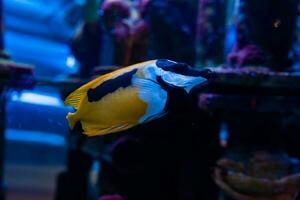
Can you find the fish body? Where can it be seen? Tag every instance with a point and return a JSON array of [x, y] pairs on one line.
[[129, 96]]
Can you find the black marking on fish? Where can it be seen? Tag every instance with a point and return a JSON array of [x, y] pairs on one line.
[[111, 85], [78, 139], [166, 86], [182, 68], [78, 127], [177, 99]]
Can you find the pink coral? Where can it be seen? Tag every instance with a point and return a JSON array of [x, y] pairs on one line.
[[248, 55], [111, 197]]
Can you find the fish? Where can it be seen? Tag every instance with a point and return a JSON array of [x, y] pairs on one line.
[[129, 96]]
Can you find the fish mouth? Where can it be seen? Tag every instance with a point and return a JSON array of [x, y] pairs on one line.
[[242, 186], [205, 73]]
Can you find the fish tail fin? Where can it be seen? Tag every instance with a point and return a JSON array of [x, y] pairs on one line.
[[72, 119], [75, 98]]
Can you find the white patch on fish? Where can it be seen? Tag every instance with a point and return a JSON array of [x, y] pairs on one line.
[[151, 92]]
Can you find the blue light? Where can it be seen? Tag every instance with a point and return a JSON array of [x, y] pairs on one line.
[[223, 132], [70, 62], [15, 96], [36, 98], [35, 137], [223, 135]]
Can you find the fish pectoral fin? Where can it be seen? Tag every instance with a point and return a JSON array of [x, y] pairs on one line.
[[94, 130]]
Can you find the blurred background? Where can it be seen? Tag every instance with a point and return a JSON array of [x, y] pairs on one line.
[[52, 46], [37, 33]]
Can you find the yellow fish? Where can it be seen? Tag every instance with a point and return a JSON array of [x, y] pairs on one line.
[[129, 96]]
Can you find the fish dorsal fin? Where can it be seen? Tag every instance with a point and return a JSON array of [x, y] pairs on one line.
[[76, 97]]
